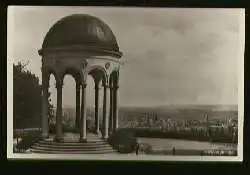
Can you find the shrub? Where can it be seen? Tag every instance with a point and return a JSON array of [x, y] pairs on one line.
[[148, 149], [123, 141], [145, 148], [28, 140], [188, 135], [67, 128], [52, 128], [27, 92]]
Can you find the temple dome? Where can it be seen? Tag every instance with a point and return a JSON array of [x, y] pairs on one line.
[[84, 31]]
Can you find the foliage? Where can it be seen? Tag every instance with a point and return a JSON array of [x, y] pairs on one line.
[[28, 140], [22, 133], [67, 121], [214, 136], [27, 98], [123, 140], [51, 115]]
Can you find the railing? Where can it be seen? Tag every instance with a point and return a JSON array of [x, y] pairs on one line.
[[28, 129], [22, 131]]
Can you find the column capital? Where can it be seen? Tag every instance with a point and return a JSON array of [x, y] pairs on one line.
[[84, 85], [59, 81], [116, 87], [110, 86], [78, 84], [59, 85], [45, 80], [44, 69], [45, 85], [78, 88], [105, 85]]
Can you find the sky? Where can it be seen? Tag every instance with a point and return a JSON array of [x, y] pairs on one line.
[[172, 56]]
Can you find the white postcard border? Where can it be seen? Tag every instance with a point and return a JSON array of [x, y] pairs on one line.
[[121, 157]]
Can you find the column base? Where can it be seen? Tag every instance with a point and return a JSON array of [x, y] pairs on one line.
[[44, 135], [97, 132], [105, 139], [58, 139], [83, 140], [77, 130], [115, 129]]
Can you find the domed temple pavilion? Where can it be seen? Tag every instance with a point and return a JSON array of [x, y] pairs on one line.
[[81, 45]]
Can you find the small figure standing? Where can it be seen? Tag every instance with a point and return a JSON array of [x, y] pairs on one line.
[[137, 148], [173, 151]]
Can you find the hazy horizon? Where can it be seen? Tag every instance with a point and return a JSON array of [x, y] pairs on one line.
[[172, 56], [172, 105]]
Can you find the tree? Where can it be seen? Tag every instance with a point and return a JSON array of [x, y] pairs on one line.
[[67, 121], [27, 98], [51, 116]]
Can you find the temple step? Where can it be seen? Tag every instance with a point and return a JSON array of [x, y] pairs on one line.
[[72, 149], [53, 147], [76, 145], [70, 152], [71, 145]]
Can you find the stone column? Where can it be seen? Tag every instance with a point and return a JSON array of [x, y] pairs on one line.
[[115, 108], [97, 108], [105, 118], [45, 123], [78, 88], [83, 129], [110, 108], [59, 132]]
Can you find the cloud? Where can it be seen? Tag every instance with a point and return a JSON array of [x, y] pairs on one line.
[[171, 55]]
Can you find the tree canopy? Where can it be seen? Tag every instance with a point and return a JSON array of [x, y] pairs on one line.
[[27, 98]]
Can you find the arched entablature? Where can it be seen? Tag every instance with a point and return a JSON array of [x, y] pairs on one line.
[[61, 64], [74, 72], [46, 73], [51, 72], [108, 63], [97, 72], [57, 73]]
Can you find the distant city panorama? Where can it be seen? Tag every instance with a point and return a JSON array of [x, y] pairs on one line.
[[201, 123]]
